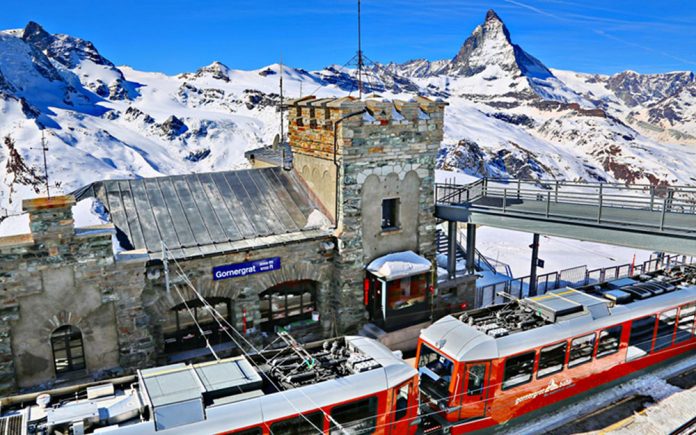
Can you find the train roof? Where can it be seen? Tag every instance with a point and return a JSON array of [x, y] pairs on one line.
[[227, 394], [466, 340]]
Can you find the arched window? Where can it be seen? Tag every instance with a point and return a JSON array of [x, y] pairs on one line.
[[68, 352], [288, 302], [181, 332]]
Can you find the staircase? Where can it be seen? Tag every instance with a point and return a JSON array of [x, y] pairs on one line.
[[441, 242]]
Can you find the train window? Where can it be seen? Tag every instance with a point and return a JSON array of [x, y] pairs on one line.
[[359, 417], [665, 329], [581, 349], [402, 401], [685, 328], [609, 340], [641, 339], [477, 373], [300, 425], [551, 359], [436, 373], [518, 370]]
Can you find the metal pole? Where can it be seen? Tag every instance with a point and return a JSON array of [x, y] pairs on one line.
[[601, 200], [471, 248], [548, 204], [535, 260], [504, 199], [451, 249], [519, 181], [664, 210], [360, 56], [165, 263]]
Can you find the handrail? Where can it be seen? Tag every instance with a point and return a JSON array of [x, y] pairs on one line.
[[662, 201]]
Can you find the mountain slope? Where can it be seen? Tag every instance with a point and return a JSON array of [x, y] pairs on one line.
[[508, 114]]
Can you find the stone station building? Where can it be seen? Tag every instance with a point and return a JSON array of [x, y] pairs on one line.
[[344, 237]]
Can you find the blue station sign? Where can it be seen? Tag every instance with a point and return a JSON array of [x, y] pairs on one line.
[[247, 268]]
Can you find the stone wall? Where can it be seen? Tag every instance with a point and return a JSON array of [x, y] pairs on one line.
[[304, 260], [57, 276]]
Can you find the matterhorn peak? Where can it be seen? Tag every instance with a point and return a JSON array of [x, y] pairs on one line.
[[492, 16], [490, 46]]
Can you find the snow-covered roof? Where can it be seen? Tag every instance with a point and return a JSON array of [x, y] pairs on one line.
[[399, 265]]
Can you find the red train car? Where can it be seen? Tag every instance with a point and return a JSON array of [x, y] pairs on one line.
[[495, 364]]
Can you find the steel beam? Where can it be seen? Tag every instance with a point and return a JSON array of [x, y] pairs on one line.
[[533, 270], [451, 249], [471, 248]]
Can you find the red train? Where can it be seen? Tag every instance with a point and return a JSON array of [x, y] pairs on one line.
[[495, 364]]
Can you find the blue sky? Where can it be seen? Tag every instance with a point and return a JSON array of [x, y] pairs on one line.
[[176, 36]]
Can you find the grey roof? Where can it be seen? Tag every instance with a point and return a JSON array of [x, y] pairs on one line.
[[199, 214], [465, 343], [266, 154]]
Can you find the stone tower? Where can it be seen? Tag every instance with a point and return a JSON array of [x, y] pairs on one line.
[[371, 164]]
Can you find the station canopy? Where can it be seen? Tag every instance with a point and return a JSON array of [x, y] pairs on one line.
[[399, 265]]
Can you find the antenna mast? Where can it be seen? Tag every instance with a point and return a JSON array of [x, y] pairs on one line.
[[360, 56], [282, 127], [44, 149]]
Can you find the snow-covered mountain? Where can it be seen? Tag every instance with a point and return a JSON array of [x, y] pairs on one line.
[[509, 114]]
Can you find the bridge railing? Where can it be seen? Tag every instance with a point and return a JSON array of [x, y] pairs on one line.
[[504, 195], [575, 277]]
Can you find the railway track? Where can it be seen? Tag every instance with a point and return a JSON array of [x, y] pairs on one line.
[[688, 428]]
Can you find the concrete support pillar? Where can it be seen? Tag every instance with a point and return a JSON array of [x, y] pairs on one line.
[[471, 248], [535, 260], [451, 249]]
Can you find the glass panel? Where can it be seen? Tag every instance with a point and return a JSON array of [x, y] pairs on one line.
[[299, 425], [685, 330], [355, 418], [665, 329], [581, 350], [609, 341], [390, 209], [640, 342], [436, 371], [402, 401], [406, 292], [474, 386], [518, 370], [551, 359], [294, 304]]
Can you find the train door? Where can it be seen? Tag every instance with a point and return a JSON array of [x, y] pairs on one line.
[[473, 391], [404, 408]]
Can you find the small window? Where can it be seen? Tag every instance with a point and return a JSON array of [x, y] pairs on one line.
[[685, 329], [551, 359], [640, 342], [665, 329], [390, 214], [402, 401], [300, 425], [68, 351], [581, 349], [359, 417], [609, 341], [518, 370], [474, 386]]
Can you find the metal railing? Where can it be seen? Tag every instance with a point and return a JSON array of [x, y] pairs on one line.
[[575, 277], [662, 201]]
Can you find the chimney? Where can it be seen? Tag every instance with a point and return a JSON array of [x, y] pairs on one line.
[[51, 219]]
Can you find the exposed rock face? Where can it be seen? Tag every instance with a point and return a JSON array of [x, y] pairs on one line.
[[635, 89], [490, 44], [65, 49], [173, 127]]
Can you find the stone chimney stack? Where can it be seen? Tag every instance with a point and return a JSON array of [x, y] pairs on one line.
[[51, 220]]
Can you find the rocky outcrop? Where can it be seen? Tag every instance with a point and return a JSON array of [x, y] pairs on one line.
[[173, 127]]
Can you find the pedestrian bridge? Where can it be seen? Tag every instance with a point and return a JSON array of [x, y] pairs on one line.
[[653, 218]]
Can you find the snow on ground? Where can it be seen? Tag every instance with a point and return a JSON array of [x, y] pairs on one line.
[[512, 248]]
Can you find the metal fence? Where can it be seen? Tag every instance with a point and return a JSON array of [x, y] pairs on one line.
[[661, 200], [574, 277]]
